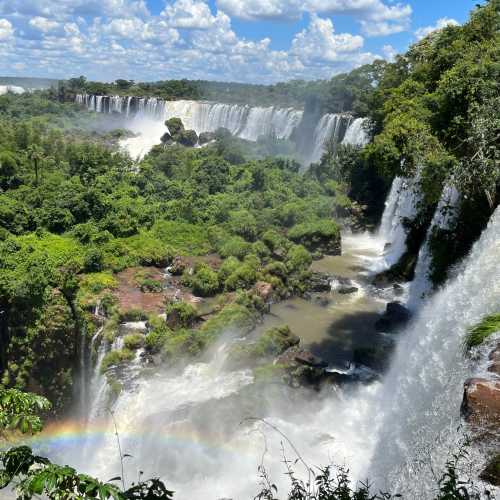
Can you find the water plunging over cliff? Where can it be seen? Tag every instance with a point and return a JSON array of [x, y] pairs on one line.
[[401, 205], [149, 114], [421, 396]]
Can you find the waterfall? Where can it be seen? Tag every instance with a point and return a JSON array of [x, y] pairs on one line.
[[243, 121], [14, 89], [444, 216], [420, 400], [327, 129], [355, 134], [401, 204]]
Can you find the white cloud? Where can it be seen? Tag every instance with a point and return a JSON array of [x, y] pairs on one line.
[[263, 9], [189, 14], [389, 52], [319, 42], [375, 17], [440, 24], [6, 29], [186, 40], [43, 24]]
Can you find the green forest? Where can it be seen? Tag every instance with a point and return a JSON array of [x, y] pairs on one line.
[[76, 212]]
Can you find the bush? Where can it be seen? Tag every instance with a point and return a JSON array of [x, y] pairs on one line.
[[323, 235], [116, 358], [243, 223], [205, 281], [235, 246], [298, 259], [243, 277], [180, 315], [187, 138], [133, 341]]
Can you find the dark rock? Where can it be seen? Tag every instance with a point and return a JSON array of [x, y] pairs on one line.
[[206, 137], [396, 315], [347, 289], [481, 403], [187, 138], [166, 138], [495, 355], [309, 359], [319, 282], [491, 473], [264, 290], [178, 266]]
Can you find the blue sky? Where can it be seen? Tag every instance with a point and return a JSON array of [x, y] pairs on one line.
[[260, 41]]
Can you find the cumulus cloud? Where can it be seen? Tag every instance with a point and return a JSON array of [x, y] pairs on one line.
[[6, 29], [440, 24], [109, 39], [188, 14], [375, 17], [43, 24], [319, 42]]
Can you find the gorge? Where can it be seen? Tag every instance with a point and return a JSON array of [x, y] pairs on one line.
[[214, 291]]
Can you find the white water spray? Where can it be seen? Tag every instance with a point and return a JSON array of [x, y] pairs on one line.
[[420, 401]]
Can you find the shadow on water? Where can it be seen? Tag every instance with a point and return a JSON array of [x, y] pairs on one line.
[[348, 335]]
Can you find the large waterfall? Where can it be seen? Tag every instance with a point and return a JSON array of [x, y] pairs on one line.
[[421, 396], [147, 116]]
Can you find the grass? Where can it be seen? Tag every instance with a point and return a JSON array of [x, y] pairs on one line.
[[480, 332]]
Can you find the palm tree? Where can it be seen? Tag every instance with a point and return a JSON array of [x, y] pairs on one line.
[[35, 154]]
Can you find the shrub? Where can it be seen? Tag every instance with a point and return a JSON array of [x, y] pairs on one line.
[[298, 259], [243, 277], [321, 235], [205, 281], [180, 314], [243, 223], [235, 246], [174, 126], [133, 341], [116, 358], [228, 267]]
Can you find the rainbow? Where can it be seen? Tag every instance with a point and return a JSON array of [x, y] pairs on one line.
[[72, 435]]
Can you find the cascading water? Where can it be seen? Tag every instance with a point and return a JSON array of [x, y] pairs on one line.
[[401, 204], [14, 89], [356, 134], [444, 216], [249, 123], [327, 129], [420, 400]]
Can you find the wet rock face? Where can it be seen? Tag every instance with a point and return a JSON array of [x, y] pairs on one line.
[[396, 315], [264, 290], [206, 137], [491, 473], [178, 266], [320, 282], [481, 403], [494, 359]]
